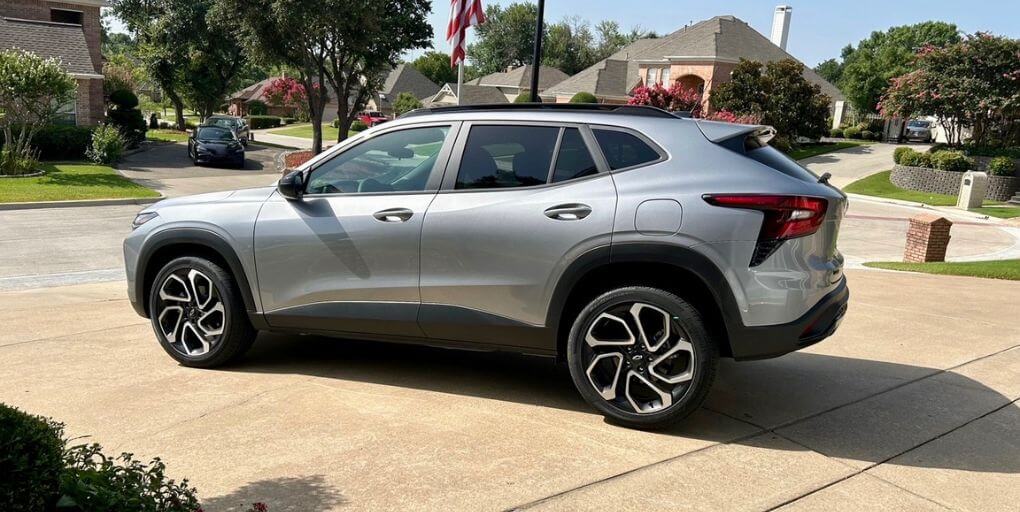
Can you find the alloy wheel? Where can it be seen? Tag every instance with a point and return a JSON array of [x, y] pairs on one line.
[[191, 314], [638, 358]]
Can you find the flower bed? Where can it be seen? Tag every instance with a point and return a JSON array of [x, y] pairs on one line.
[[292, 159], [923, 179]]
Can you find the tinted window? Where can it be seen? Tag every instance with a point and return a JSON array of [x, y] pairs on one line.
[[623, 149], [225, 122], [574, 159], [398, 161], [506, 156]]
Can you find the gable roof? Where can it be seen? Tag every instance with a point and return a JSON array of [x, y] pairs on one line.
[[722, 38], [405, 78], [520, 77], [61, 41], [470, 94]]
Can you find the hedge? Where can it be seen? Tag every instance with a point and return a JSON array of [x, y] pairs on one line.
[[260, 122], [584, 97], [61, 142], [31, 461]]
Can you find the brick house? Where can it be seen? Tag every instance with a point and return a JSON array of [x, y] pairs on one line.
[[698, 56], [68, 31]]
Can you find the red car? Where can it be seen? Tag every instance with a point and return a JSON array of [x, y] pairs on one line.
[[372, 118]]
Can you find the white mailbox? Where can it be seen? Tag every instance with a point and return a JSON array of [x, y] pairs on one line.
[[972, 190]]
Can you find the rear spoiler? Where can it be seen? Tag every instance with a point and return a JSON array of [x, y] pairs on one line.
[[718, 131]]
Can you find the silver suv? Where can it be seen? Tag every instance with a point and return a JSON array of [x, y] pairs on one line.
[[636, 246]]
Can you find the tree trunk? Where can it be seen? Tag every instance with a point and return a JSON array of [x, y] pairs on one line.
[[178, 112], [343, 119]]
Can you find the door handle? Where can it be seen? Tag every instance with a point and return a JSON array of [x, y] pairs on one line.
[[575, 211], [393, 215]]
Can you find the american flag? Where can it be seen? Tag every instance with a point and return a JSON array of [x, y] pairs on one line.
[[463, 14]]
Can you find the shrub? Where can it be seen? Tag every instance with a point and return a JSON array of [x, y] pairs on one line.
[[287, 120], [259, 122], [257, 108], [107, 145], [124, 99], [584, 97], [867, 134], [31, 461], [94, 481], [358, 125], [836, 133], [1002, 166], [523, 97], [877, 136], [899, 152], [852, 132], [405, 102], [954, 161], [61, 142], [13, 163], [153, 121], [938, 146], [915, 159], [781, 143]]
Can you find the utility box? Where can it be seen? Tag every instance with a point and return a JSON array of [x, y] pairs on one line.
[[972, 190]]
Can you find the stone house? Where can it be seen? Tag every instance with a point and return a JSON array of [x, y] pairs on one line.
[[68, 31], [698, 56]]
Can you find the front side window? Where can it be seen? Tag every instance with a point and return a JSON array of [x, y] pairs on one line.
[[623, 150], [399, 161], [507, 157]]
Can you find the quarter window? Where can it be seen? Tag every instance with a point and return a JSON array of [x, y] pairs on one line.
[[574, 160], [506, 157], [400, 161], [623, 150]]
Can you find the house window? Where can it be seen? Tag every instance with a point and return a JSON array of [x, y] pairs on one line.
[[665, 76], [66, 16], [67, 113]]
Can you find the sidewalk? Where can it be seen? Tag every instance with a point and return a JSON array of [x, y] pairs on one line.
[[286, 140]]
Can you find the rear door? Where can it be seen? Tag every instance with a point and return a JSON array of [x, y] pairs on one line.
[[519, 203]]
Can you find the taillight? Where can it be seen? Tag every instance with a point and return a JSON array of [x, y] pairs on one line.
[[785, 217]]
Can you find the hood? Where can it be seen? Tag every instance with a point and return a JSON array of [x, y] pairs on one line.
[[241, 195]]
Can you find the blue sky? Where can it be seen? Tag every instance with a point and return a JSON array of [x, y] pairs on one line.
[[818, 29]]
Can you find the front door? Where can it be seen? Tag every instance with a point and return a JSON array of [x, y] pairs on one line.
[[345, 258], [519, 203]]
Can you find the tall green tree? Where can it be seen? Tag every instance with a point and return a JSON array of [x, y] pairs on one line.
[[779, 94], [288, 33], [506, 39], [436, 67], [868, 68], [216, 58]]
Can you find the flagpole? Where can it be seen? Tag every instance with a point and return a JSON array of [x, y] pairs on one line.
[[536, 58], [460, 78]]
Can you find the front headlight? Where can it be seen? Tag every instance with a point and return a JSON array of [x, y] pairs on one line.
[[142, 218]]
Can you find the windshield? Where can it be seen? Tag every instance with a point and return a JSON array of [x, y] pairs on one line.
[[918, 124], [224, 122], [214, 133]]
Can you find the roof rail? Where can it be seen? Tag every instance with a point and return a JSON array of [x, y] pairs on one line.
[[630, 110]]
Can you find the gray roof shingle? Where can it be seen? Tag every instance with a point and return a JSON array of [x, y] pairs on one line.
[[521, 77], [474, 94], [57, 40], [405, 78]]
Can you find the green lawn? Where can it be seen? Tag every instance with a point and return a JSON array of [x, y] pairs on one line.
[[810, 150], [1002, 269], [68, 181], [163, 135], [878, 185], [305, 132]]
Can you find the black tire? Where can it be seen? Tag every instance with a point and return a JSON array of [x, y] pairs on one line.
[[236, 332], [701, 356], [240, 162]]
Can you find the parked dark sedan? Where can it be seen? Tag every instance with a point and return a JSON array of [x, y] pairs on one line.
[[213, 144], [918, 130], [235, 124]]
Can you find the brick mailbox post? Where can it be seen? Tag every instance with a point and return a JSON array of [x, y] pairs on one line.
[[927, 239]]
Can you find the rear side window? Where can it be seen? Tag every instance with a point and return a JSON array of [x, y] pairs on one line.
[[574, 160], [623, 150], [507, 157]]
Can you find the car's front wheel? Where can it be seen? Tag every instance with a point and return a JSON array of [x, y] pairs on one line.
[[198, 313], [641, 356]]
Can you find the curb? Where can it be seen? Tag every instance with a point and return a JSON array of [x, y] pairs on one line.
[[81, 202], [946, 209]]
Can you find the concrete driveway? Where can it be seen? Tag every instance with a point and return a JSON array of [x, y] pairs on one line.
[[911, 406], [168, 169], [849, 165]]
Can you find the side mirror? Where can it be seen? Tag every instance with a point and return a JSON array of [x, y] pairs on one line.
[[292, 186]]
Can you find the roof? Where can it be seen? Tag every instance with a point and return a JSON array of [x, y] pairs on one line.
[[521, 77], [405, 78], [471, 94], [61, 41], [722, 38]]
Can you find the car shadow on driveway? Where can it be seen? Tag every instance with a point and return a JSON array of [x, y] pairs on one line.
[[863, 411]]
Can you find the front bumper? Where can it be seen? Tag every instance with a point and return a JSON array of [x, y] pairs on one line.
[[763, 342]]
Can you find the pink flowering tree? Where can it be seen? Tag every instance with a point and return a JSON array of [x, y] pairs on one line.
[[729, 117], [675, 98], [972, 83], [287, 92]]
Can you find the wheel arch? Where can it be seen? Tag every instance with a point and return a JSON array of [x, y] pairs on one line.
[[677, 269], [167, 245]]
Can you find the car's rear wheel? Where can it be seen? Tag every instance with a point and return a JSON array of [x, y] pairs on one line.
[[642, 357], [198, 313]]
